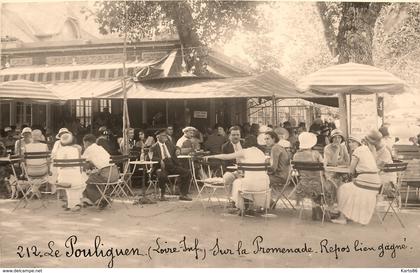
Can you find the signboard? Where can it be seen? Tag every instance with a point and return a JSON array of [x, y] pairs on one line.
[[200, 114], [364, 114], [85, 59], [21, 61]]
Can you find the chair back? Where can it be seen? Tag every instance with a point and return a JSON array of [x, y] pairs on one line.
[[396, 166], [406, 152], [69, 163], [253, 167], [307, 166], [122, 162], [36, 164]]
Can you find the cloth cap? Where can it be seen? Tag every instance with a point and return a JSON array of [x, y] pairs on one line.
[[307, 140], [355, 139], [37, 135], [61, 131], [26, 130], [66, 138]]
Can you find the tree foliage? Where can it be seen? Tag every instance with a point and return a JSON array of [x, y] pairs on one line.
[[199, 24]]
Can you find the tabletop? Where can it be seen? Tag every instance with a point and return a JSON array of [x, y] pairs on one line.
[[9, 159], [234, 167], [143, 162], [338, 169], [183, 156]]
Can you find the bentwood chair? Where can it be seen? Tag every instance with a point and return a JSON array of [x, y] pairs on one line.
[[250, 195], [318, 167]]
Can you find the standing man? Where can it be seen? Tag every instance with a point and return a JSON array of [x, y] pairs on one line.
[[99, 158], [164, 153]]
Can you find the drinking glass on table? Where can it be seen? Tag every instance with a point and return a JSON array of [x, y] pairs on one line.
[[150, 154]]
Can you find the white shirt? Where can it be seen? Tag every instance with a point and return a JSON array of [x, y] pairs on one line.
[[164, 149], [97, 155], [237, 147]]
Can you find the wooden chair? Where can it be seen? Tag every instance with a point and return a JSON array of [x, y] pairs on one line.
[[254, 167]]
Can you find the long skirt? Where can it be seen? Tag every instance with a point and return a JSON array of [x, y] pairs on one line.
[[257, 183], [356, 203], [74, 196]]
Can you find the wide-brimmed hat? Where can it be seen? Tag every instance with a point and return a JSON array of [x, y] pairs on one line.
[[284, 143], [66, 138], [188, 128], [374, 136], [62, 131], [307, 140], [355, 139], [37, 135], [261, 139], [26, 130]]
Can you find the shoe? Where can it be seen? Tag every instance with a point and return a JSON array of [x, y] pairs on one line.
[[233, 210], [185, 198], [76, 208], [163, 198], [87, 201], [66, 209], [339, 221]]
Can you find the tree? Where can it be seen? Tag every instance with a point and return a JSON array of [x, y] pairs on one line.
[[198, 23]]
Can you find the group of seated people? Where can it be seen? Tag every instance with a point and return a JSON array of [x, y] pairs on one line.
[[354, 201]]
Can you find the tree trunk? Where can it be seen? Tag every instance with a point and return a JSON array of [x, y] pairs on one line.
[[195, 52], [354, 42]]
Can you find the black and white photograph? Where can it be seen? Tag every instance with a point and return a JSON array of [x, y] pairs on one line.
[[209, 134]]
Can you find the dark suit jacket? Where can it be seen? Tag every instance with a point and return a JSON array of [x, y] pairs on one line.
[[157, 154], [227, 148]]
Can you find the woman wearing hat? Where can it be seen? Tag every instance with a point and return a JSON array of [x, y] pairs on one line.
[[310, 182], [26, 138], [72, 175], [279, 160], [336, 154], [357, 200]]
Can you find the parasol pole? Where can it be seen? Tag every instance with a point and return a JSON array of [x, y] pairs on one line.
[[273, 109], [342, 105], [126, 121]]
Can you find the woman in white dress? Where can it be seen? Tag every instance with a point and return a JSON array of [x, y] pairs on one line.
[[357, 200], [252, 180], [73, 175]]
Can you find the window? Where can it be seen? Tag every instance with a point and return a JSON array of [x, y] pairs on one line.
[[75, 75], [84, 111], [105, 104], [84, 74], [23, 114]]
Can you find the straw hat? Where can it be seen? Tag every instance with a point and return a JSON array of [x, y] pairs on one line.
[[355, 139], [284, 143], [261, 139], [307, 140], [61, 131], [66, 138], [374, 136], [37, 135], [188, 128], [26, 130]]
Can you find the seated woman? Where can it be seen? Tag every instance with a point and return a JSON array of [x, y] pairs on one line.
[[357, 200], [375, 142], [251, 181], [336, 154], [279, 161], [310, 185], [73, 175]]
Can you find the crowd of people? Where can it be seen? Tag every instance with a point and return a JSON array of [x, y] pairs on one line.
[[348, 196]]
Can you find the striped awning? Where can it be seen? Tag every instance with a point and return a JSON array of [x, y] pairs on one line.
[[352, 78], [27, 90], [87, 89]]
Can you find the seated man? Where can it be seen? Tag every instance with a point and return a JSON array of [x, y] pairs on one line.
[[185, 143], [164, 153], [99, 158]]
